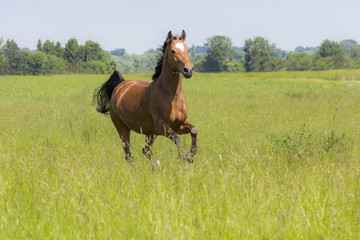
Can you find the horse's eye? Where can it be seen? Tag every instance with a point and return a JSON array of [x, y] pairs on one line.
[[173, 51]]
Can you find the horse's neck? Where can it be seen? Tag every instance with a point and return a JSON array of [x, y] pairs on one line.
[[170, 82]]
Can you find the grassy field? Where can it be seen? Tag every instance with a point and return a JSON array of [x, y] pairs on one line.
[[279, 158]]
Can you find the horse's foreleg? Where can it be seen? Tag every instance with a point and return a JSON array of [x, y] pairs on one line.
[[176, 139], [187, 127], [164, 129]]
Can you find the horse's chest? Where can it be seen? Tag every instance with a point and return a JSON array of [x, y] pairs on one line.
[[178, 113]]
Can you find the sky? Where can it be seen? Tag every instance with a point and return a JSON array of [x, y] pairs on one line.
[[140, 25]]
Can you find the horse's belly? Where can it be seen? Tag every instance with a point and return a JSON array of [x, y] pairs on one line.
[[141, 126], [137, 119]]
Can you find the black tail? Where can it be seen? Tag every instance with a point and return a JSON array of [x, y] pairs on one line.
[[103, 95]]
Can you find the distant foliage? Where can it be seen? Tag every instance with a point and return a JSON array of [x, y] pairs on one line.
[[217, 55], [51, 58], [220, 56], [329, 48], [135, 63], [13, 58], [257, 55], [118, 52]]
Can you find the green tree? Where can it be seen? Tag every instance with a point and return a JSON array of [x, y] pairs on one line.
[[329, 48], [34, 63], [3, 68], [324, 63], [39, 63], [291, 61], [93, 51], [349, 63], [54, 65], [356, 52], [218, 53], [234, 66], [14, 57], [273, 64], [347, 47], [49, 47], [90, 55], [257, 54], [39, 46], [338, 61], [71, 55], [304, 63], [71, 50], [297, 62], [58, 50], [97, 67]]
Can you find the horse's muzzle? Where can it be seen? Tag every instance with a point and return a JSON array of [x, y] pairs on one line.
[[188, 71]]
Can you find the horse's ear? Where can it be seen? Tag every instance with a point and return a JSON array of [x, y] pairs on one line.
[[169, 37], [183, 35]]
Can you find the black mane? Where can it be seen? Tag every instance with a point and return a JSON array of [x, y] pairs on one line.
[[161, 58]]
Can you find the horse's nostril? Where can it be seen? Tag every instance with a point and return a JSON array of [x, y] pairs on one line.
[[186, 70]]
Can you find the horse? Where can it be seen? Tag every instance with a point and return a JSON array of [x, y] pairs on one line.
[[152, 108]]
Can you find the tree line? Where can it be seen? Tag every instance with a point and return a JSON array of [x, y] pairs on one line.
[[259, 55], [52, 58], [216, 55]]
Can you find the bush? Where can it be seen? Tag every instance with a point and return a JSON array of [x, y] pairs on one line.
[[324, 63], [304, 143]]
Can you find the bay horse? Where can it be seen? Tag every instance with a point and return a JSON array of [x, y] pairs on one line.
[[152, 108]]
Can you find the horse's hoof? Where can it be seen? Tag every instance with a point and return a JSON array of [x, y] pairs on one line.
[[155, 163], [189, 157]]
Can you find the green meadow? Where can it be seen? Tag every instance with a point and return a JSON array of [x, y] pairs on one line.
[[278, 158]]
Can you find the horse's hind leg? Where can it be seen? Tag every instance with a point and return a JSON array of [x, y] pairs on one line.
[[147, 150], [125, 138], [124, 133]]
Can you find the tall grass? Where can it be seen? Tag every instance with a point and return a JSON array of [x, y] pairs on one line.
[[273, 161]]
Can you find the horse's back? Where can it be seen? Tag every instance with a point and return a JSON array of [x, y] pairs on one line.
[[129, 91]]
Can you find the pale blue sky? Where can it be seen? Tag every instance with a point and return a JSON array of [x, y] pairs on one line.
[[140, 25]]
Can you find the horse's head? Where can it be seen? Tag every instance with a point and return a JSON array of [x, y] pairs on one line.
[[178, 55]]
